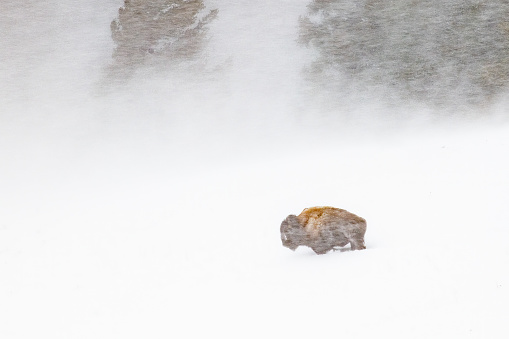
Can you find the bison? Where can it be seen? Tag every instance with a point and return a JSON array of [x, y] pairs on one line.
[[323, 229]]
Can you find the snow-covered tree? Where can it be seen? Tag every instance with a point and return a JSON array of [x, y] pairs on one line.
[[162, 30], [440, 52]]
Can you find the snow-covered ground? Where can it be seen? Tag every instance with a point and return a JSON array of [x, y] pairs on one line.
[[144, 214]]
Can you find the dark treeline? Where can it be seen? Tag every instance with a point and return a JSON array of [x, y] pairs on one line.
[[443, 53]]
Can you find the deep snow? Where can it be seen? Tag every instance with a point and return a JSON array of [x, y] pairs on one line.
[[154, 211]]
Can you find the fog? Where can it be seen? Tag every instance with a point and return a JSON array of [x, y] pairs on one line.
[[145, 168], [248, 80]]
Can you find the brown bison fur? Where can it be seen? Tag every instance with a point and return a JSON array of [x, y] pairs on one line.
[[323, 229]]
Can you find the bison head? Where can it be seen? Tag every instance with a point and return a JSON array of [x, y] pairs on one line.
[[291, 232]]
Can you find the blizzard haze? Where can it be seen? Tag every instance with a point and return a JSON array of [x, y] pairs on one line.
[[143, 182]]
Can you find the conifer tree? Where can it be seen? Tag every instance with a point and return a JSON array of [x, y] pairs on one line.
[[163, 30], [440, 52]]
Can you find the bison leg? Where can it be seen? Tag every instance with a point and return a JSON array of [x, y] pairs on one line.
[[320, 250], [357, 244]]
